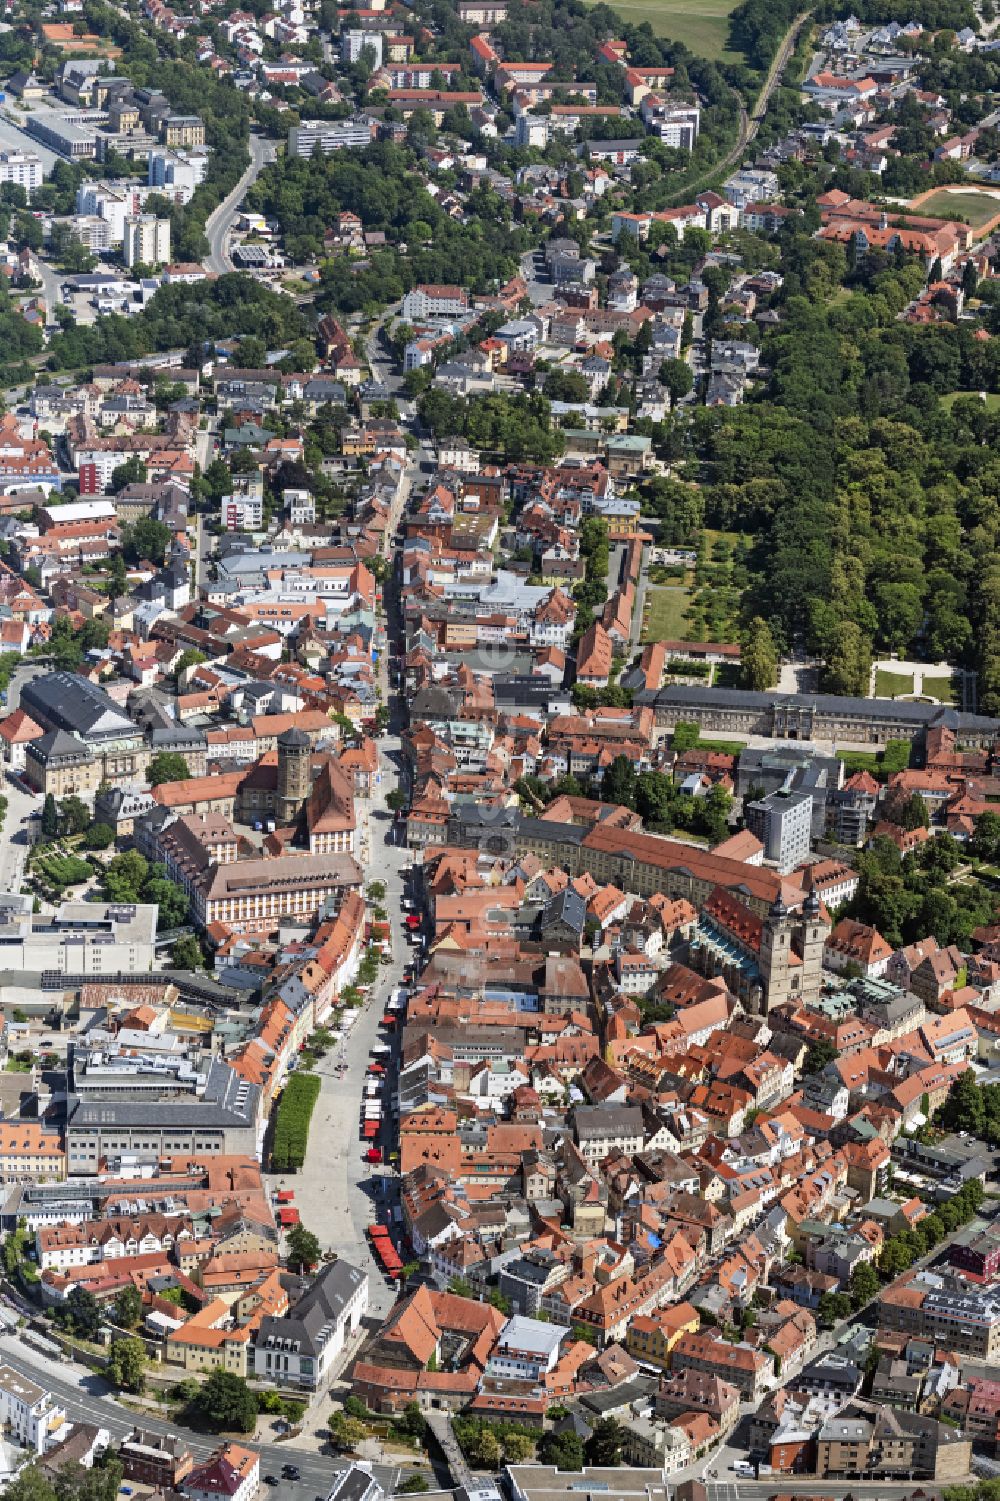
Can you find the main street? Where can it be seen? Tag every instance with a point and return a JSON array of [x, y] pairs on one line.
[[87, 1400], [220, 221]]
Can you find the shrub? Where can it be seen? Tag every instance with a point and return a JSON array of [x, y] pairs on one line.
[[291, 1127]]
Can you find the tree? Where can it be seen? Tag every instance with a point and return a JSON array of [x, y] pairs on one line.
[[226, 1404], [415, 1485], [186, 953], [50, 817], [864, 1284], [146, 540], [618, 783], [913, 814], [172, 900], [83, 1314], [30, 1484], [685, 736], [678, 378], [125, 877], [759, 657], [100, 836], [126, 1368], [965, 1108], [100, 1483], [848, 661], [346, 1432], [128, 1307], [190, 658], [303, 1249], [74, 815], [604, 1446], [833, 1307], [167, 766], [819, 1055], [564, 1450], [517, 1448], [117, 576], [132, 472], [483, 1449], [985, 841]]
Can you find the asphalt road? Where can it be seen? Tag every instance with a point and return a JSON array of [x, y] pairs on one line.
[[14, 839], [220, 222], [87, 1400]]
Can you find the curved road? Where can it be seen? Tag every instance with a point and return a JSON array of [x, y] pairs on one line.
[[220, 221], [86, 1398]]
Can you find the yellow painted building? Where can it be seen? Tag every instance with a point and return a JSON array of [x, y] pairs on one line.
[[651, 1337]]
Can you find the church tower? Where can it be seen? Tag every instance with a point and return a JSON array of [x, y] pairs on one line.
[[294, 775], [776, 966], [814, 932]]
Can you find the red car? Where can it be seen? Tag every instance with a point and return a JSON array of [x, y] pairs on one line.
[[373, 1154]]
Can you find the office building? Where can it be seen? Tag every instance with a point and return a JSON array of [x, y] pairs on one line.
[[146, 241], [176, 174], [22, 167], [298, 1348], [782, 821], [219, 1117], [84, 938], [328, 136], [354, 45]]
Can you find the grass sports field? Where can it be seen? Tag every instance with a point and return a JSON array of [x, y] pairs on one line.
[[976, 208], [702, 25]]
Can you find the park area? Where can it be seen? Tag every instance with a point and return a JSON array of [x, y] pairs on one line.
[[892, 684], [913, 679], [976, 208], [665, 614], [699, 604], [704, 28]]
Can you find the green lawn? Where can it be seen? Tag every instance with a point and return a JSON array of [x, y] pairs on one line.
[[891, 684], [704, 26], [976, 208], [664, 610], [942, 688]]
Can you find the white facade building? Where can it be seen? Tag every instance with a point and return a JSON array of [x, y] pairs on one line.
[[175, 173], [434, 302], [353, 44], [28, 1413], [146, 241], [328, 136], [22, 167], [298, 1348]]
